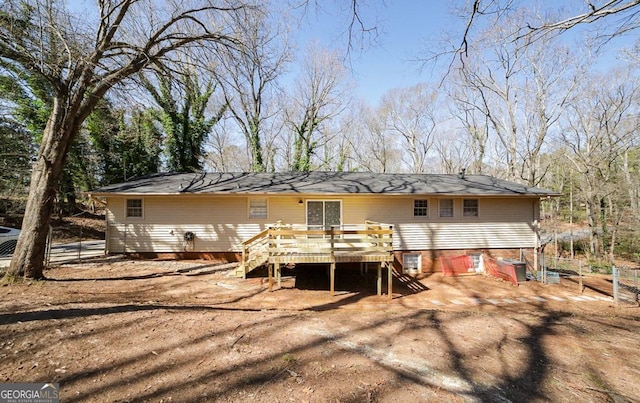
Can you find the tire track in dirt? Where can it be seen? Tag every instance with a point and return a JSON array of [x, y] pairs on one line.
[[418, 370]]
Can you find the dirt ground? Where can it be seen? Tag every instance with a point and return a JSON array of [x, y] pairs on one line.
[[80, 226], [117, 331]]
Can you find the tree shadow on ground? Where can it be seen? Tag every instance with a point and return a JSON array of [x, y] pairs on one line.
[[69, 313], [522, 385], [190, 271], [332, 335]]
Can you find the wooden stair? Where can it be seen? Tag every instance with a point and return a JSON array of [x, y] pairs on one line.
[[255, 253], [250, 265]]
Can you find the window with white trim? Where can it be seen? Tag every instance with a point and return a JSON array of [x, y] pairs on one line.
[[421, 208], [134, 208], [446, 207], [258, 208], [470, 208], [411, 263]]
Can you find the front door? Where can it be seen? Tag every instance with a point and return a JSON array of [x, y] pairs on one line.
[[323, 214]]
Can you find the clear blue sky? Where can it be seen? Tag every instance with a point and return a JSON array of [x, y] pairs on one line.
[[405, 28]]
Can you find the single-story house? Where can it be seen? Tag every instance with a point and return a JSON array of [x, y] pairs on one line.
[[217, 215]]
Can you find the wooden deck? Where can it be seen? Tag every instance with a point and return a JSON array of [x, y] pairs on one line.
[[290, 244]]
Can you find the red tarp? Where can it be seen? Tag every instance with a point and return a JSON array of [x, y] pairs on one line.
[[503, 270], [454, 266]]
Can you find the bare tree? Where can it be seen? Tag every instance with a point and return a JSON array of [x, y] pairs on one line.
[[359, 30], [600, 129], [454, 153], [249, 80], [630, 164], [82, 62], [318, 96], [409, 114], [514, 92], [373, 148], [611, 17], [338, 151], [226, 151], [467, 107]]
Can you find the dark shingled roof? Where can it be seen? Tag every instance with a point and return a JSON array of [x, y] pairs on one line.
[[330, 183]]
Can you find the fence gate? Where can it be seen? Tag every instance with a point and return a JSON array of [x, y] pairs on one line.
[[625, 285]]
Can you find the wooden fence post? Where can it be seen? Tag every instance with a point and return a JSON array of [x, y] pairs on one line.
[[635, 284], [616, 275], [279, 275]]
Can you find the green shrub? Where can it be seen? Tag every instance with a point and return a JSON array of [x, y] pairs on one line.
[[600, 267]]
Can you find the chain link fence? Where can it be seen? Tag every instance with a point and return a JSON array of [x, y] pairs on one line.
[[74, 251], [624, 280], [625, 285]]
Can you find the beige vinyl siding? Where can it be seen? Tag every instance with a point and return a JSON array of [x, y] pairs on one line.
[[221, 223], [463, 236], [502, 222]]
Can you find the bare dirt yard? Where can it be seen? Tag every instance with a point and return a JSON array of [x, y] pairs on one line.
[[117, 330]]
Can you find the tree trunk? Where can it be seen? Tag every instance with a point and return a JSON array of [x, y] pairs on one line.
[[593, 232], [256, 152], [28, 258], [631, 186]]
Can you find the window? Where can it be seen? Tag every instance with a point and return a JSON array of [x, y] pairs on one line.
[[324, 214], [134, 208], [420, 208], [476, 258], [470, 208], [446, 207], [411, 263], [258, 208]]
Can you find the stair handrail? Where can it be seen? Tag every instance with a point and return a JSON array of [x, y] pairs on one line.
[[248, 245]]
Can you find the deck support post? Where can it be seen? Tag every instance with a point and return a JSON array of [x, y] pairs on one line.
[[279, 275], [270, 271], [332, 278], [390, 285], [379, 279]]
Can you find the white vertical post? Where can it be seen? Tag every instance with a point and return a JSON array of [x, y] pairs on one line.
[[616, 275], [580, 275]]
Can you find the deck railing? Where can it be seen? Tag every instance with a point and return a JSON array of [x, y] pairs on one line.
[[369, 238], [282, 243]]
